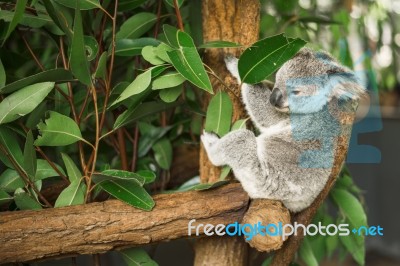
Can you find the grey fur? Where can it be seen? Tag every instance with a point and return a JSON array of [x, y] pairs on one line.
[[291, 159]]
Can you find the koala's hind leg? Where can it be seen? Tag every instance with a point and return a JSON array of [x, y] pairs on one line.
[[238, 149]]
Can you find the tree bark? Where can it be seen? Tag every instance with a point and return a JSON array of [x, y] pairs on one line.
[[99, 227], [236, 21]]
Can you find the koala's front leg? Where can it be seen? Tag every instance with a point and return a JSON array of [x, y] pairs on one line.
[[238, 149]]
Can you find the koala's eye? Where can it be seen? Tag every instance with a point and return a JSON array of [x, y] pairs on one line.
[[296, 92]]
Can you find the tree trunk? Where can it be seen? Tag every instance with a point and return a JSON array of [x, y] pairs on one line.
[[99, 227], [236, 21]]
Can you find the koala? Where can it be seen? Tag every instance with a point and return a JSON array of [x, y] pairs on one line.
[[297, 119]]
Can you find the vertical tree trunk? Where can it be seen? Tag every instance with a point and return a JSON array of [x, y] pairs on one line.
[[236, 21]]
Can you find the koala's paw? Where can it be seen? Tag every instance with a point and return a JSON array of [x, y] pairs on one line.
[[209, 140]]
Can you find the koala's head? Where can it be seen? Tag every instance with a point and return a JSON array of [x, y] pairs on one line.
[[307, 82]]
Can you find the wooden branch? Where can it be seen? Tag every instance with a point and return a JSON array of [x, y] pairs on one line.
[[100, 227]]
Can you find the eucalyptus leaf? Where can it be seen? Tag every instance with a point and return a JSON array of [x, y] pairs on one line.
[[350, 206], [355, 245], [137, 112], [137, 256], [219, 44], [205, 186], [129, 192], [44, 170], [83, 4], [187, 61], [163, 153], [72, 170], [10, 181], [112, 174], [4, 197], [219, 114], [170, 95], [74, 194], [239, 124], [148, 176], [30, 164], [125, 5], [168, 80], [101, 70], [2, 75], [136, 26], [267, 55], [9, 141], [78, 59], [137, 86], [18, 14], [58, 130], [148, 53], [307, 254], [24, 201], [58, 75], [131, 47], [161, 51], [23, 102], [171, 2], [171, 34]]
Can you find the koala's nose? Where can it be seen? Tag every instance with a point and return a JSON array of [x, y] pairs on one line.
[[276, 97]]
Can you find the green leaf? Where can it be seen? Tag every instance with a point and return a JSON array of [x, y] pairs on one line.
[[187, 61], [355, 245], [129, 192], [137, 86], [148, 176], [74, 194], [112, 174], [239, 124], [2, 75], [129, 47], [10, 143], [91, 47], [22, 102], [224, 172], [4, 197], [170, 95], [58, 130], [28, 20], [148, 53], [219, 114], [101, 70], [136, 257], [171, 34], [140, 111], [161, 51], [72, 170], [78, 59], [10, 181], [83, 4], [149, 135], [307, 254], [36, 115], [125, 5], [24, 201], [58, 17], [205, 186], [136, 26], [18, 14], [267, 55], [219, 44], [58, 75], [30, 163], [171, 2], [350, 207], [163, 153], [168, 80], [44, 170]]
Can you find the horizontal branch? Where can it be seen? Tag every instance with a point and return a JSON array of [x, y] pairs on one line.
[[103, 226]]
